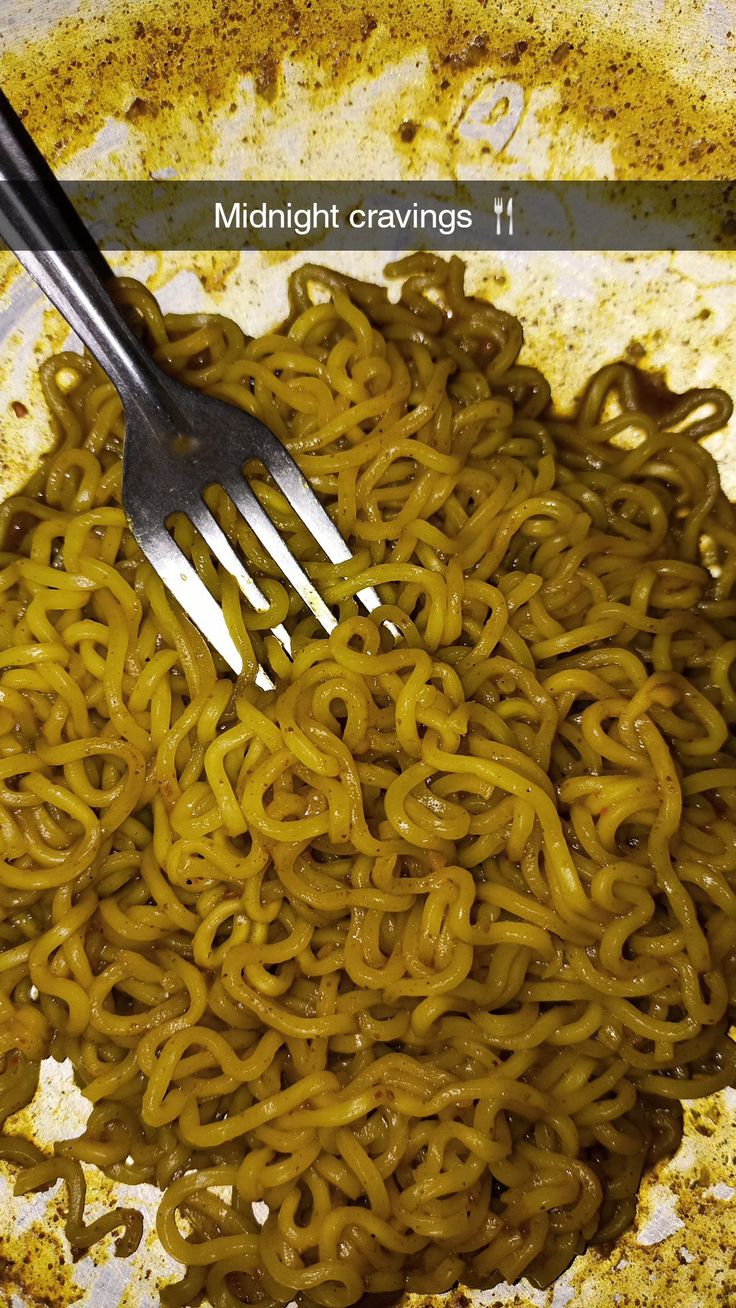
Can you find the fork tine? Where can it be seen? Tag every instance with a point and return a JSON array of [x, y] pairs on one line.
[[223, 551], [179, 575], [290, 478], [302, 498], [259, 522]]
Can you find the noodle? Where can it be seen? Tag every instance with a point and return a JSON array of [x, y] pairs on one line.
[[423, 949]]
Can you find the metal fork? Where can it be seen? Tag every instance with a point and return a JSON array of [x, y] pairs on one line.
[[178, 443]]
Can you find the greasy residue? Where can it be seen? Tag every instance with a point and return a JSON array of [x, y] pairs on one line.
[[653, 91], [35, 1268]]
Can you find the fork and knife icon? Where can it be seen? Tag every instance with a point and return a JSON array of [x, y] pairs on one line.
[[498, 210]]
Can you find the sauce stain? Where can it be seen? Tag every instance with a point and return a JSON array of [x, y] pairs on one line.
[[35, 1267], [651, 91]]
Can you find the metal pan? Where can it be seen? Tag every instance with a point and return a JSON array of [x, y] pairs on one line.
[[206, 88]]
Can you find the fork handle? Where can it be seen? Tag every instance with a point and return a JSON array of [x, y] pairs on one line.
[[40, 225]]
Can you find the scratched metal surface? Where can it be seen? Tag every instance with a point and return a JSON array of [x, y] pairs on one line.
[[623, 89]]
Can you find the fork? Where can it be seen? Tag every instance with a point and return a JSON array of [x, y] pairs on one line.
[[498, 210], [178, 442]]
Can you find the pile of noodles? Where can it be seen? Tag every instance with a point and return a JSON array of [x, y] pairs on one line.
[[416, 956]]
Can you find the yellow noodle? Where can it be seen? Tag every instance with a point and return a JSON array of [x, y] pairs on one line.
[[423, 949]]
